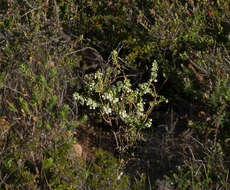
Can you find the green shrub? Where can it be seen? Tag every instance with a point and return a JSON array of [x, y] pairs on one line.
[[34, 101], [105, 173], [160, 50], [208, 172]]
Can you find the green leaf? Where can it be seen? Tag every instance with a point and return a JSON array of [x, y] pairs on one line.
[[47, 163], [2, 78], [24, 105], [52, 103], [48, 126], [64, 112], [12, 107]]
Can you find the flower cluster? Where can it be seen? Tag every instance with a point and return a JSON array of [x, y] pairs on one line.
[[123, 114], [107, 109], [148, 124], [79, 98], [110, 97], [154, 71], [121, 99], [127, 86], [91, 103]]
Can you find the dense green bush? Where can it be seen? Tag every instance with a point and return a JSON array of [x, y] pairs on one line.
[[35, 103]]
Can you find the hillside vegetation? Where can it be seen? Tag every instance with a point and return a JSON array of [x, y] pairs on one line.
[[125, 94]]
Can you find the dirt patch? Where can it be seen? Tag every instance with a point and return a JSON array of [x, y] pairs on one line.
[[92, 138]]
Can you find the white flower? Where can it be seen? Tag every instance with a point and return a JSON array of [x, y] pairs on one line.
[[79, 98], [108, 96], [123, 114], [76, 96], [140, 107], [91, 103], [120, 175], [107, 109], [148, 123], [115, 100]]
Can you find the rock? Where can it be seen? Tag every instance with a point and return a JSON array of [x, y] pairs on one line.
[[78, 150]]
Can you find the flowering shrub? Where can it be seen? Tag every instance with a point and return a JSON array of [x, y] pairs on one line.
[[118, 99]]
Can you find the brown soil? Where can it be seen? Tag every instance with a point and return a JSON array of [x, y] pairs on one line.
[[90, 139]]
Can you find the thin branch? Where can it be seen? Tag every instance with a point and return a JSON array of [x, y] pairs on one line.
[[28, 4], [14, 90], [82, 50], [34, 9], [56, 11]]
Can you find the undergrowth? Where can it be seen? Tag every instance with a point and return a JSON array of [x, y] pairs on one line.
[[153, 74]]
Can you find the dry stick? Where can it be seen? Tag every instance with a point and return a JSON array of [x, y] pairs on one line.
[[83, 49], [107, 121], [28, 4], [172, 123], [115, 136], [162, 85], [198, 76], [47, 182], [197, 141], [191, 152], [3, 179], [14, 90], [227, 176], [34, 9], [56, 11]]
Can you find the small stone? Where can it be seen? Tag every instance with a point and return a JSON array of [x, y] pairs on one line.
[[78, 150]]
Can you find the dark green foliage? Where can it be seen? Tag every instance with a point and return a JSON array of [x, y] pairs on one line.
[[107, 171]]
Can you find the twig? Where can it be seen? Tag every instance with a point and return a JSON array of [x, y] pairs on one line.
[[28, 4], [56, 10], [14, 90], [197, 141], [162, 85], [47, 182], [115, 136], [172, 123], [107, 121], [83, 49], [34, 9]]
